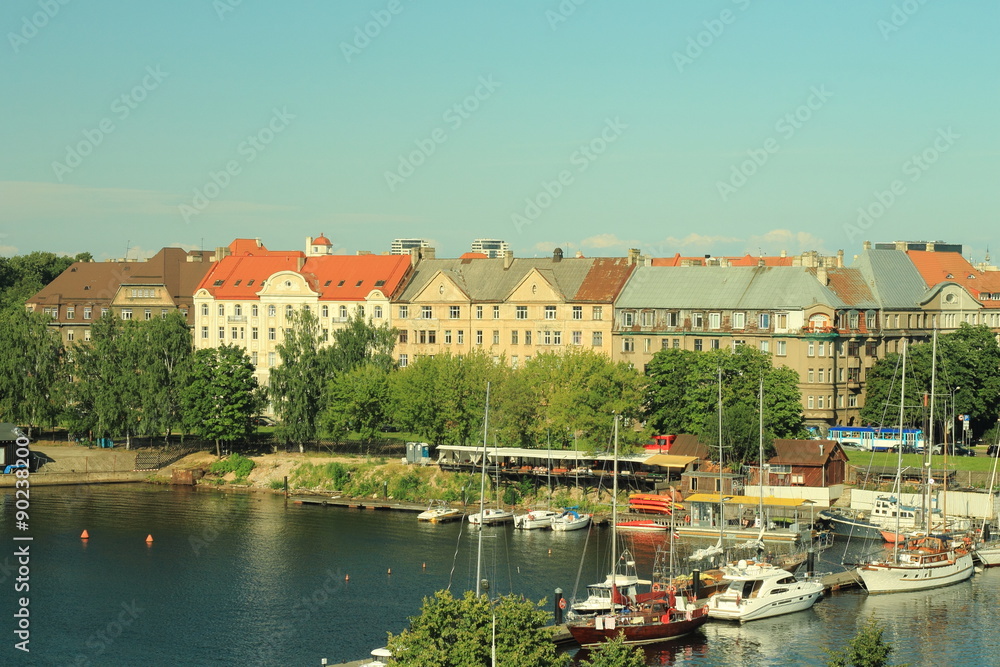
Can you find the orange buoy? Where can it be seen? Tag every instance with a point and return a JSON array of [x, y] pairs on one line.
[[84, 535], [425, 566], [347, 577], [390, 571], [550, 552], [149, 538]]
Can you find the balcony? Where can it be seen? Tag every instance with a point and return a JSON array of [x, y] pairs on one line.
[[236, 319]]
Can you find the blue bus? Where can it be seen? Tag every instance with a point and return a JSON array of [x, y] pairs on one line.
[[878, 438]]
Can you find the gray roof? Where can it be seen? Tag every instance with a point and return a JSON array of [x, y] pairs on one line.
[[892, 278], [750, 287], [485, 280]]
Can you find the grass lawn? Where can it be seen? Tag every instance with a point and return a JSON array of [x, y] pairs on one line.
[[978, 463]]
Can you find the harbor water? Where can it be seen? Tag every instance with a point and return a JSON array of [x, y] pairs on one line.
[[250, 579]]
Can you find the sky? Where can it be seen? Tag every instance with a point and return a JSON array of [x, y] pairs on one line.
[[721, 127]]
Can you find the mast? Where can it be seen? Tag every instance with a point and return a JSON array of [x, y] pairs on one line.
[[482, 495], [614, 523], [722, 534], [929, 442], [760, 507], [899, 457]]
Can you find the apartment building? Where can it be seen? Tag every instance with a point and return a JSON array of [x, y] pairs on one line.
[[131, 290], [508, 307], [248, 297]]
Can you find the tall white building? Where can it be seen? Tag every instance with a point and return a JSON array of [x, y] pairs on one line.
[[403, 246], [492, 248]]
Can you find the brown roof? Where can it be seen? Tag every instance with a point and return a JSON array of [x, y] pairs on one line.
[[850, 286], [605, 279], [689, 445], [804, 452]]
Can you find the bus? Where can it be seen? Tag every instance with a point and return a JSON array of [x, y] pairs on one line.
[[877, 438]]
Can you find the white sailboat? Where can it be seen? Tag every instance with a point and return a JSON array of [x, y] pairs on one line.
[[488, 516], [919, 563], [987, 546]]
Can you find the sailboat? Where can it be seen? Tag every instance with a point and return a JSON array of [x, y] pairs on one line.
[[919, 563], [487, 516], [538, 519], [987, 546], [644, 619]]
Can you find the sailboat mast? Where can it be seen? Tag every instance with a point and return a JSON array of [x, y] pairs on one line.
[[482, 494], [614, 521], [722, 534], [929, 442], [899, 456], [760, 507]]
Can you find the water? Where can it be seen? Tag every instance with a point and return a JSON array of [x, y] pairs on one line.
[[246, 579]]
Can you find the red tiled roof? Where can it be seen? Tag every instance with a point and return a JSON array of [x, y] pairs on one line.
[[334, 277], [474, 255], [939, 267], [247, 247], [605, 279], [851, 287]]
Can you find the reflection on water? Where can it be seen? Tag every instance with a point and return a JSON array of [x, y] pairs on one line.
[[248, 579]]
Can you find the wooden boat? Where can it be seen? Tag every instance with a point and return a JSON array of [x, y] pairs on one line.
[[761, 590], [440, 512], [922, 563]]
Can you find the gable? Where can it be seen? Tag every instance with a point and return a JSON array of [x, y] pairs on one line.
[[441, 287], [287, 283], [535, 287]]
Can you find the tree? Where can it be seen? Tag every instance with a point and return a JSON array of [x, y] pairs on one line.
[[615, 653], [356, 400], [166, 348], [867, 649], [297, 383], [360, 341], [31, 368], [458, 632], [220, 395], [22, 276]]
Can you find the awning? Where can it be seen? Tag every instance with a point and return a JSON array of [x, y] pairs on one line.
[[670, 461], [745, 500]]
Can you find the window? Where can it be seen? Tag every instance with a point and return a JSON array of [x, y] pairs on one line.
[[577, 312], [648, 318], [715, 343], [87, 312], [738, 343], [404, 311], [852, 319], [238, 310], [870, 320], [513, 361], [271, 333], [126, 313], [521, 313], [426, 313], [598, 338], [577, 337], [234, 333], [665, 344], [781, 348], [360, 310], [222, 333], [853, 348], [764, 320], [811, 349], [254, 333], [496, 312], [253, 310], [147, 314], [853, 374], [86, 334], [781, 320], [70, 313], [810, 375], [714, 320], [288, 312], [272, 310], [628, 318], [697, 320], [253, 358], [163, 313], [513, 337], [270, 358], [496, 336], [821, 349], [677, 343], [69, 335], [628, 344], [697, 345], [454, 312], [765, 346], [546, 337], [447, 336], [324, 311], [871, 348], [645, 345], [461, 337], [222, 309], [820, 374], [479, 336], [840, 400], [422, 336], [104, 311], [739, 321], [550, 312], [557, 337], [432, 337], [377, 312], [598, 313], [404, 336], [204, 332], [479, 312], [820, 402], [204, 310], [403, 361], [527, 338], [811, 402], [852, 401]]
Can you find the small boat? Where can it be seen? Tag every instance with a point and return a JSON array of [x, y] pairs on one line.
[[621, 587], [440, 512], [653, 503], [535, 519], [761, 590], [921, 563], [381, 657], [570, 520], [491, 517], [850, 523], [643, 524]]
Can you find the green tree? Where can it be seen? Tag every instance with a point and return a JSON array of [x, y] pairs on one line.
[[615, 653], [22, 276], [31, 368], [361, 341], [220, 395], [356, 401], [297, 383], [166, 348], [458, 632], [867, 649]]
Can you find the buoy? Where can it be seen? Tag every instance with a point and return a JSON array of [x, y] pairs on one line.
[[425, 566], [550, 552], [85, 535], [347, 577], [390, 571], [149, 538]]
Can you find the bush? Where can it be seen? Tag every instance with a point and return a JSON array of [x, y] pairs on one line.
[[237, 464]]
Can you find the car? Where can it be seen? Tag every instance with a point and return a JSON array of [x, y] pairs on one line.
[[959, 450], [262, 420], [993, 450]]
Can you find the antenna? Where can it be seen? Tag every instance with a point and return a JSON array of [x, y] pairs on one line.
[[127, 245]]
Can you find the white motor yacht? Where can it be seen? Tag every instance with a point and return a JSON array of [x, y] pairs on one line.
[[535, 519], [761, 590], [490, 517]]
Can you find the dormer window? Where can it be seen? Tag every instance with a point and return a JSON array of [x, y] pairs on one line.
[[218, 283], [340, 284], [250, 282], [359, 283], [327, 283]]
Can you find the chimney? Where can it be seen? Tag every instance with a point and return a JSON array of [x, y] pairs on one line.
[[428, 252], [822, 275], [508, 259], [557, 255], [309, 242], [867, 245], [900, 245], [633, 256], [300, 262], [840, 259], [930, 246], [784, 253]]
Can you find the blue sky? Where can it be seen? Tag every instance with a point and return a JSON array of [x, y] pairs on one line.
[[717, 127]]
